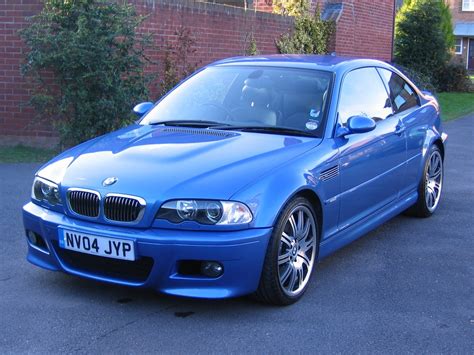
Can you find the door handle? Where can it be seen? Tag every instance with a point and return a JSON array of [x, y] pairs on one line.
[[399, 129]]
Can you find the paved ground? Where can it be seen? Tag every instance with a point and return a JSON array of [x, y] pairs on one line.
[[406, 287]]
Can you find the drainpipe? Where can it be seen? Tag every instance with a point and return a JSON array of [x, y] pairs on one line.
[[393, 28]]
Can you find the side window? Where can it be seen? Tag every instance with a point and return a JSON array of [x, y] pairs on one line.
[[401, 93], [363, 94]]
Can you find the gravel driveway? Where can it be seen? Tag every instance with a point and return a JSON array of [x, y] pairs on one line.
[[406, 287]]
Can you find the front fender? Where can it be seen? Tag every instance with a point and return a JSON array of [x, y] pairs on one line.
[[268, 196]]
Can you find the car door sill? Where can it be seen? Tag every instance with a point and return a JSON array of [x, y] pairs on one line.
[[353, 232]]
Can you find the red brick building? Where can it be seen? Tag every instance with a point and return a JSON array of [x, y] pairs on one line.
[[463, 18], [363, 28]]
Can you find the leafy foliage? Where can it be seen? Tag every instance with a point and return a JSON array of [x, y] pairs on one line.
[[179, 59], [252, 48], [311, 35], [423, 37], [454, 77], [447, 24], [290, 7], [86, 62]]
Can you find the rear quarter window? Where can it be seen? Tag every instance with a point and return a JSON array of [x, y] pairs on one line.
[[403, 96]]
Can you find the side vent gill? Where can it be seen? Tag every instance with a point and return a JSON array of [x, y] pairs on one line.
[[205, 132], [329, 173]]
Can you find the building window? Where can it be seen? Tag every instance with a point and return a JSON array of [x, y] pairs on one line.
[[467, 5], [458, 46]]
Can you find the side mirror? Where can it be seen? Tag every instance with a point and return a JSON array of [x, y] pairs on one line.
[[360, 124], [356, 124], [142, 108]]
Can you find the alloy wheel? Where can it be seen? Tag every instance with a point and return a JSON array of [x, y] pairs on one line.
[[434, 180], [297, 250]]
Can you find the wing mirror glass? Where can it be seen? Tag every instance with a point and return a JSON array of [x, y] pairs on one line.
[[142, 108], [356, 124]]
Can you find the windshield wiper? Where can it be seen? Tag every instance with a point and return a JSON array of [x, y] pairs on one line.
[[267, 129], [189, 123]]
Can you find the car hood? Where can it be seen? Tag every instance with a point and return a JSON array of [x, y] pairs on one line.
[[161, 163]]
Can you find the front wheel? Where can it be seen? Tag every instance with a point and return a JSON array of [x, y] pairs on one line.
[[291, 255], [429, 190]]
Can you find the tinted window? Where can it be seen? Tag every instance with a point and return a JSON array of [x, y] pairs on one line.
[[263, 96], [401, 93], [363, 94]]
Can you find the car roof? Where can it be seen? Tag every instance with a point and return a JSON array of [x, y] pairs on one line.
[[307, 61]]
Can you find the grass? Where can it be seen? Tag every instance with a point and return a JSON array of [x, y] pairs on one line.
[[22, 154], [456, 104]]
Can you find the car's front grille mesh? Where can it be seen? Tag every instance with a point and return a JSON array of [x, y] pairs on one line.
[[116, 207], [84, 203], [122, 209]]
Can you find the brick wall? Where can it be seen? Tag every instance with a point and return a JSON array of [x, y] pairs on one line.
[[15, 115], [458, 14], [220, 31], [364, 29]]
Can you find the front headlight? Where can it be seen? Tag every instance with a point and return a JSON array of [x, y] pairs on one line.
[[205, 212], [45, 190]]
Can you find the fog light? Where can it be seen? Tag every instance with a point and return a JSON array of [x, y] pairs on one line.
[[32, 237], [211, 269], [36, 240]]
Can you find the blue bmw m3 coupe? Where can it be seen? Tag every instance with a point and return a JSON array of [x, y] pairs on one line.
[[241, 178]]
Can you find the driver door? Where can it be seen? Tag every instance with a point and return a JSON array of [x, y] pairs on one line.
[[372, 164]]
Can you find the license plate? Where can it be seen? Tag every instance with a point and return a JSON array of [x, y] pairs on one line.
[[97, 245]]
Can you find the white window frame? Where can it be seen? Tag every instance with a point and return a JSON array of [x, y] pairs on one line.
[[467, 5], [460, 46]]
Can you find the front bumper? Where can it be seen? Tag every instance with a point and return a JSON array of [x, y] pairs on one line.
[[240, 252]]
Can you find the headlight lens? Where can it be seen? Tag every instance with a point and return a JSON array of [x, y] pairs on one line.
[[44, 190], [205, 212]]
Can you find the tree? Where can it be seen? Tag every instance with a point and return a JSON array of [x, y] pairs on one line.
[[311, 35], [87, 65], [421, 36], [447, 24], [291, 7]]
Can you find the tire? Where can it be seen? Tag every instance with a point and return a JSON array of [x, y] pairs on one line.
[[291, 255], [431, 185]]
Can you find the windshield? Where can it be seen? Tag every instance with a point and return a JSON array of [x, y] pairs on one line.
[[293, 99]]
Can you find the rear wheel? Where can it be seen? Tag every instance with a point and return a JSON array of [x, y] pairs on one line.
[[291, 255], [429, 190]]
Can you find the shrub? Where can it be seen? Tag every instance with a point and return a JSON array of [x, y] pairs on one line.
[[311, 35], [86, 62], [179, 62], [454, 77], [252, 48], [290, 7]]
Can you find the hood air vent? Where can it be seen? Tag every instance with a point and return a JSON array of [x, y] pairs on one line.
[[203, 132]]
